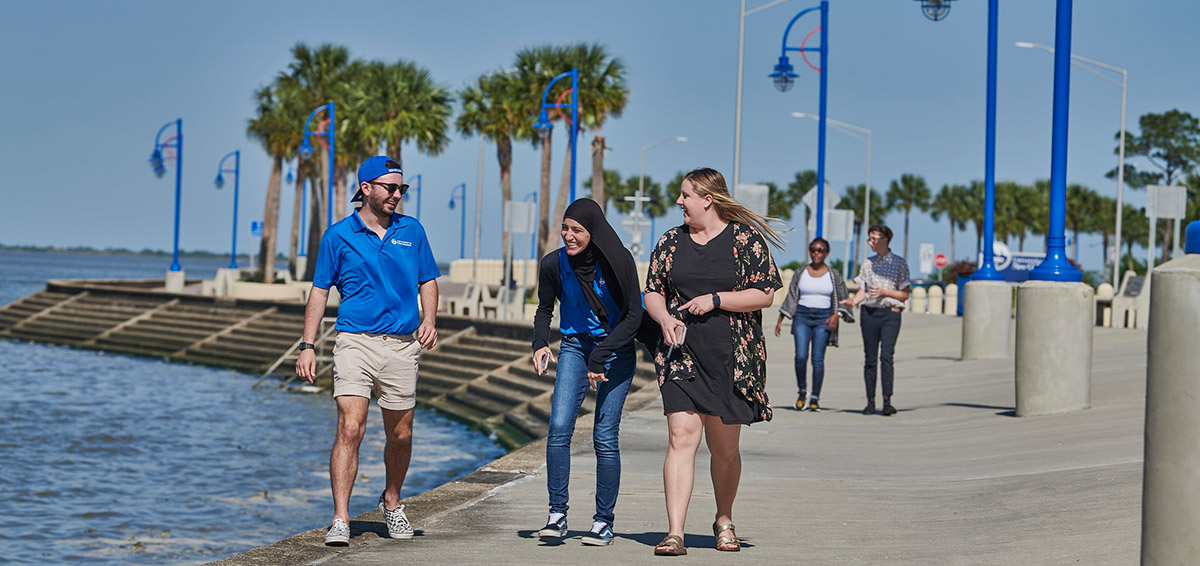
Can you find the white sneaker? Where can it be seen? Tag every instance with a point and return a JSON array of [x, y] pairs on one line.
[[397, 522], [339, 534]]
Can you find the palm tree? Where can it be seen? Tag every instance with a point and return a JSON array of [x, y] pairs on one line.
[[616, 190], [277, 126], [1105, 218], [399, 103], [603, 94], [951, 202], [317, 75], [498, 107], [1083, 206], [1135, 229], [906, 194], [853, 200]]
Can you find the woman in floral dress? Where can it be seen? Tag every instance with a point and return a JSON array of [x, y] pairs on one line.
[[711, 276]]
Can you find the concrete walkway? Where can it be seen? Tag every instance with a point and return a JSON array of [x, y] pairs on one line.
[[953, 479]]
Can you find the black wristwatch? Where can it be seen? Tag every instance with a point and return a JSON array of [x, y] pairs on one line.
[[716, 301], [305, 346]]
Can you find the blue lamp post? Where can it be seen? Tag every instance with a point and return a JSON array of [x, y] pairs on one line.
[[220, 182], [533, 195], [306, 149], [1056, 267], [418, 185], [302, 250], [936, 10], [544, 125], [156, 162], [461, 191], [784, 76]]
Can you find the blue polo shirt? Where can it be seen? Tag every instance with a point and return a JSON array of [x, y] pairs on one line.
[[377, 278]]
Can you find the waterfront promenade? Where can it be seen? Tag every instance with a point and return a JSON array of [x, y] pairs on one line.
[[952, 479]]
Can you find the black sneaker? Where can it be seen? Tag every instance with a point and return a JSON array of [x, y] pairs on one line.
[[800, 402], [869, 409], [554, 529], [600, 535], [813, 405], [888, 410]]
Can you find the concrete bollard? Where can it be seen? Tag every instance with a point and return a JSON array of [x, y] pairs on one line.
[[935, 299], [1104, 295], [987, 320], [951, 300], [175, 281], [1054, 346], [301, 266], [1171, 484], [918, 297]]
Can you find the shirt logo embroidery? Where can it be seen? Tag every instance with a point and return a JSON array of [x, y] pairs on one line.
[[396, 242]]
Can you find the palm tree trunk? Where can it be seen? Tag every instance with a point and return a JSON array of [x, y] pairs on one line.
[[544, 197], [293, 242], [952, 241], [564, 186], [906, 233], [1166, 240], [504, 157], [339, 197], [598, 148], [316, 223], [266, 257], [1075, 246], [393, 149]]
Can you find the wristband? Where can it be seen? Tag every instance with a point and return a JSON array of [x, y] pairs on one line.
[[716, 301], [305, 346]]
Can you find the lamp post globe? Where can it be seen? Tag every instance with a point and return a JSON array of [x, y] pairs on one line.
[[784, 75]]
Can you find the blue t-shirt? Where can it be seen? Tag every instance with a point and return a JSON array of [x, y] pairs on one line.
[[377, 278], [577, 315]]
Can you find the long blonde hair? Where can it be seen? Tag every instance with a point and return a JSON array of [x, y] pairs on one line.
[[708, 181]]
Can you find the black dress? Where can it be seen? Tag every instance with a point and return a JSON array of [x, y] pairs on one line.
[[698, 270]]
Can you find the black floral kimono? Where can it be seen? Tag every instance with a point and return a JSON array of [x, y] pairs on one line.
[[754, 270]]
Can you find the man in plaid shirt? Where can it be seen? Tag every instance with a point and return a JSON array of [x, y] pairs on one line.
[[883, 285]]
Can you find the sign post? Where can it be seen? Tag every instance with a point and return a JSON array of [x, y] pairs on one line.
[[256, 230]]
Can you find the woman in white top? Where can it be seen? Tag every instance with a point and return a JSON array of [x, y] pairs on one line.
[[812, 304]]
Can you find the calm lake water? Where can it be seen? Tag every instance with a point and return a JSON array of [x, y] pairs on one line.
[[115, 459]]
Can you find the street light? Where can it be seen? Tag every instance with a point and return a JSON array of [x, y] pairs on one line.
[[544, 125], [636, 223], [1056, 267], [220, 182], [1083, 63], [306, 149], [461, 190], [174, 142], [851, 129], [936, 10], [418, 185], [737, 114], [784, 77]]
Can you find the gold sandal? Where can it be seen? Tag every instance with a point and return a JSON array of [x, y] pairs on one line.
[[729, 543], [671, 545]]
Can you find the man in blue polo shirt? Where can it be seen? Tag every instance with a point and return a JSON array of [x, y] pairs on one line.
[[382, 266]]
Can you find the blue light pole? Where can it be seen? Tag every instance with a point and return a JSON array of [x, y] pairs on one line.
[[1056, 267], [220, 182], [156, 162], [784, 76], [532, 237], [544, 125], [306, 149], [418, 215], [302, 250], [461, 190]]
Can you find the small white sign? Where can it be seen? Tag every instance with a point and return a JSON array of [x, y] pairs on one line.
[[755, 197], [256, 228], [925, 255], [520, 217], [1166, 202]]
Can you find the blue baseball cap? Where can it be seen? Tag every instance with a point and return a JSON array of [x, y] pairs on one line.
[[372, 169]]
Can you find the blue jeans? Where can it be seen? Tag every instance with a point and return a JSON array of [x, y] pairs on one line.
[[570, 387], [810, 326]]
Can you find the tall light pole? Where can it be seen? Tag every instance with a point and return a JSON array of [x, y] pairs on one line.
[[636, 223], [544, 125], [1083, 63], [784, 77], [306, 149], [737, 114], [418, 187], [461, 190], [220, 182], [851, 129], [175, 276]]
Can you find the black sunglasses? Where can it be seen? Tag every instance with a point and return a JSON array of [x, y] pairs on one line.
[[391, 188], [818, 250]]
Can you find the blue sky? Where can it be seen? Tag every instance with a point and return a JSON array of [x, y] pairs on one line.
[[87, 85]]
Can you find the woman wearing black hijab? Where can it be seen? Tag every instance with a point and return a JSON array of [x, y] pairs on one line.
[[594, 279]]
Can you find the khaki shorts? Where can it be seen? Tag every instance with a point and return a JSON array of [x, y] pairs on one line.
[[383, 363]]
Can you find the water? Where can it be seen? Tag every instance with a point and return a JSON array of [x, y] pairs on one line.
[[114, 459]]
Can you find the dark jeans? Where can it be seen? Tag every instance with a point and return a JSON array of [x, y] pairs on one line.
[[880, 328], [810, 326]]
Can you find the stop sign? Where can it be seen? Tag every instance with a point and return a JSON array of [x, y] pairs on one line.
[[940, 261]]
